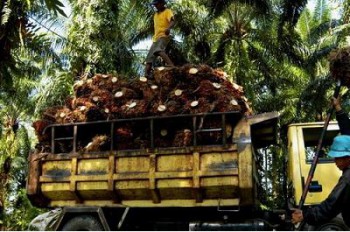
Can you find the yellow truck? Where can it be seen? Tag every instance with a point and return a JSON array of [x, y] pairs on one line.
[[199, 186]]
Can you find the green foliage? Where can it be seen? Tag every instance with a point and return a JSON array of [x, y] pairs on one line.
[[272, 168], [17, 31], [346, 13], [14, 150], [52, 90], [277, 50], [318, 36], [25, 55], [101, 36], [54, 6], [196, 45], [21, 212]]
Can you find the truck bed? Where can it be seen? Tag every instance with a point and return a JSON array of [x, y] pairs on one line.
[[217, 174]]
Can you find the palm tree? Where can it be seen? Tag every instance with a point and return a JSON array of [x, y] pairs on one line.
[[16, 30], [319, 34], [22, 53], [102, 34]]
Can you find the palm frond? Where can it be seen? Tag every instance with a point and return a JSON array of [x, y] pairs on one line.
[[320, 54], [291, 12], [219, 6], [55, 6], [5, 14], [322, 30], [322, 12]]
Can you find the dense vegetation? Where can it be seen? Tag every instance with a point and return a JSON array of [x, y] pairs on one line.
[[276, 49]]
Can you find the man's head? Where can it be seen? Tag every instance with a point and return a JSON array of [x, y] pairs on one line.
[[340, 151], [159, 4], [154, 2]]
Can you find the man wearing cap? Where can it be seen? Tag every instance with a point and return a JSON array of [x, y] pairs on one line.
[[163, 22], [338, 200]]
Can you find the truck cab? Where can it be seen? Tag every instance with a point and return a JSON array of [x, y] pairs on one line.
[[303, 139]]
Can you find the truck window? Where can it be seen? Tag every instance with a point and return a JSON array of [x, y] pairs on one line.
[[323, 156], [311, 138]]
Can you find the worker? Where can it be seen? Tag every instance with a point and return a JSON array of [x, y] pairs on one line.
[[163, 22], [338, 200]]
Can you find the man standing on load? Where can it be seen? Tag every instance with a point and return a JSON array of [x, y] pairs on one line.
[[163, 22]]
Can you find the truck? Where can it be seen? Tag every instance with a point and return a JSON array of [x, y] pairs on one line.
[[204, 185]]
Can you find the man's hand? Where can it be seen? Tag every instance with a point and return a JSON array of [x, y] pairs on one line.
[[171, 24], [297, 216], [336, 103], [167, 31]]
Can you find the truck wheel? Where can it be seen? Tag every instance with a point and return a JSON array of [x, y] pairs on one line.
[[336, 224], [83, 223]]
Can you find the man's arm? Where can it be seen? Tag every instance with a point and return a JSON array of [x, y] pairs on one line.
[[327, 210], [171, 25], [342, 117]]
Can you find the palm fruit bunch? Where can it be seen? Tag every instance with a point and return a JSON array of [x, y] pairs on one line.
[[339, 65], [185, 90]]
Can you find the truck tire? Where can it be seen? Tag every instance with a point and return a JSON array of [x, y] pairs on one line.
[[83, 223], [336, 224]]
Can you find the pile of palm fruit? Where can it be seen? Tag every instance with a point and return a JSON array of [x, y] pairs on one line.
[[189, 89], [340, 65]]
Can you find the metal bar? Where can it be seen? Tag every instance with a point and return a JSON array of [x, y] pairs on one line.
[[75, 133], [103, 219], [143, 119], [122, 219], [151, 123], [66, 138], [209, 130], [112, 135], [255, 225], [53, 140], [224, 134], [194, 123]]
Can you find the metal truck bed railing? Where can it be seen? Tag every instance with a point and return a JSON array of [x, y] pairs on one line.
[[72, 132]]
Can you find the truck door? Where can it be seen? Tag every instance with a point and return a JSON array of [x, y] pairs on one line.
[[302, 141]]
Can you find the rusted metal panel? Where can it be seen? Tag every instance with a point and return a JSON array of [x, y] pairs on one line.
[[33, 185], [149, 177], [245, 162]]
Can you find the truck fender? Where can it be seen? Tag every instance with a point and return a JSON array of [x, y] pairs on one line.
[[336, 224], [83, 223], [82, 219]]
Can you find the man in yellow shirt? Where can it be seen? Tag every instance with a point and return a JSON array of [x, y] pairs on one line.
[[163, 22]]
